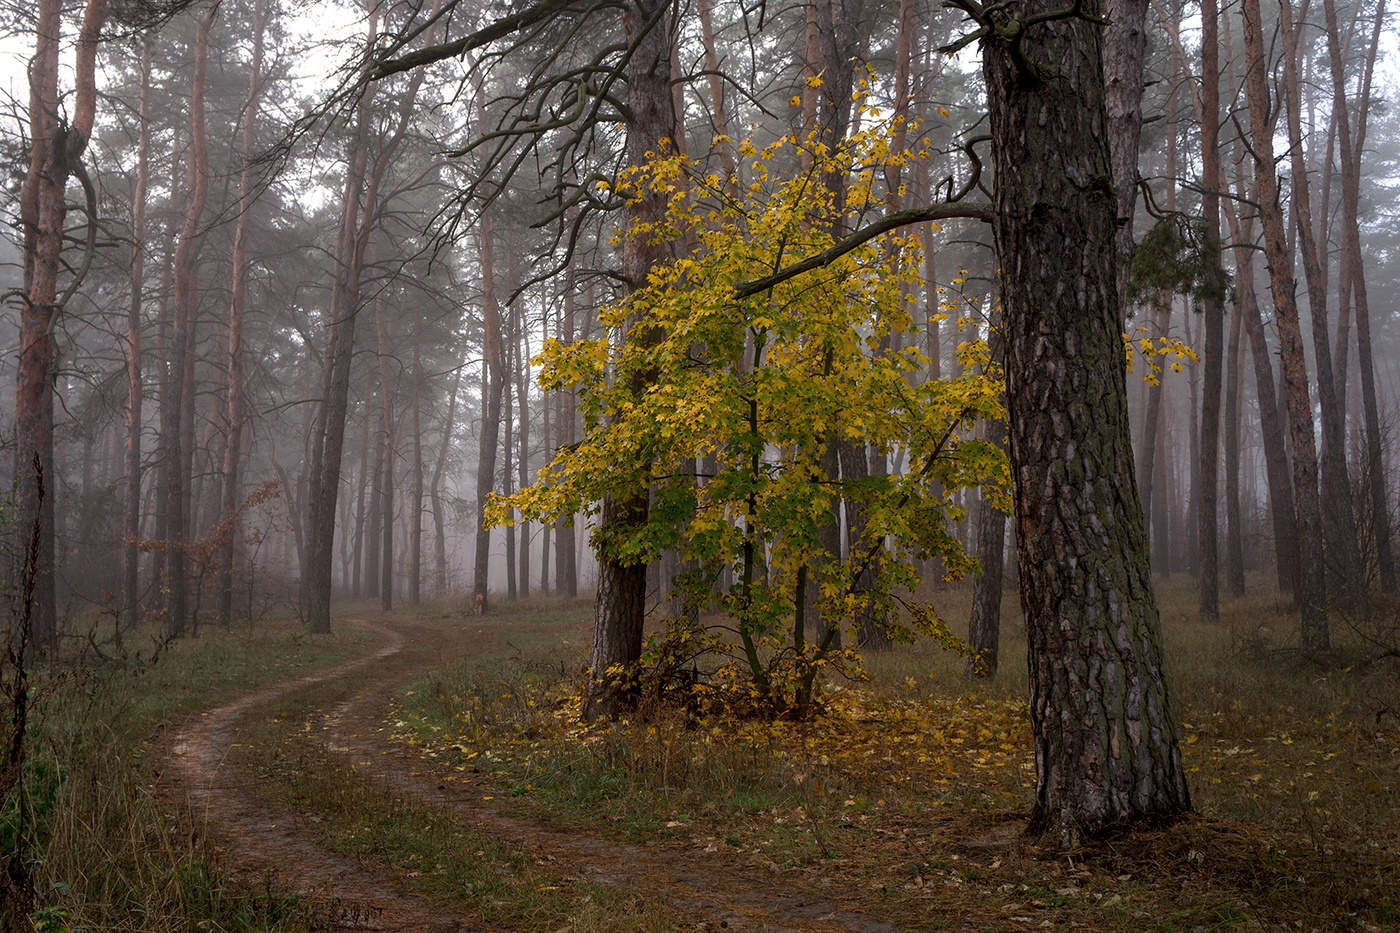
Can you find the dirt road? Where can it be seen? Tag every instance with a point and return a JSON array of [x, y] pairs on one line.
[[206, 770]]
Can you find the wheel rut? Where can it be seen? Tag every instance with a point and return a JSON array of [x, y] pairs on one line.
[[203, 767]]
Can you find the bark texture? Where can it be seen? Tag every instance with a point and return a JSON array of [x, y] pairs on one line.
[[1105, 733]]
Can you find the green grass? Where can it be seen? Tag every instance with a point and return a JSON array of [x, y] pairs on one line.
[[109, 855], [1294, 767]]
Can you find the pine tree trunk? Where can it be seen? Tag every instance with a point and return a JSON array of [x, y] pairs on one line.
[[180, 423], [1351, 232], [1213, 312], [1104, 729], [386, 350], [1312, 583], [493, 374], [357, 556], [565, 555], [1339, 518], [435, 490], [232, 493], [984, 626], [131, 573]]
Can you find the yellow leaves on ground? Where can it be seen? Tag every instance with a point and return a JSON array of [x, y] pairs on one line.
[[860, 739]]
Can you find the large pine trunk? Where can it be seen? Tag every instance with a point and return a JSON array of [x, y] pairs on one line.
[[1104, 730]]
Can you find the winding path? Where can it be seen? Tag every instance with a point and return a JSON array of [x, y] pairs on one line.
[[203, 768]]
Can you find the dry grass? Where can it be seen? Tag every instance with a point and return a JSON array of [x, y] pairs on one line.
[[110, 857], [911, 790]]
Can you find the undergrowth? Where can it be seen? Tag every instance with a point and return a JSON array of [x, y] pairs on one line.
[[910, 791], [109, 855]]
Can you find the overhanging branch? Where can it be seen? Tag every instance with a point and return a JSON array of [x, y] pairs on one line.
[[498, 30], [912, 215]]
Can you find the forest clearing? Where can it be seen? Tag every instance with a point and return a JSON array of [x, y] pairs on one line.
[[388, 791], [600, 465]]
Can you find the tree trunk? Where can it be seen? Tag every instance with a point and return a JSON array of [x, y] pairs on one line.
[[1281, 510], [415, 501], [984, 627], [522, 459], [1351, 233], [1208, 504], [621, 599], [1300, 419], [131, 575], [357, 556], [1234, 538], [1124, 51], [493, 375], [1104, 729], [384, 337], [1339, 517], [179, 423], [55, 155], [565, 556], [360, 215], [374, 531], [246, 196], [435, 490]]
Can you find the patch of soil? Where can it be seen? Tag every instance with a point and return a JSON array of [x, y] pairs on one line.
[[204, 766]]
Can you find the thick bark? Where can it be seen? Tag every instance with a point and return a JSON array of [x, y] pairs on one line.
[[1104, 729], [1312, 582], [620, 603], [234, 401], [1124, 52], [131, 571]]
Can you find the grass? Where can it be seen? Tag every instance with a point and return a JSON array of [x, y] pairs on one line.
[[908, 791], [109, 856], [485, 878]]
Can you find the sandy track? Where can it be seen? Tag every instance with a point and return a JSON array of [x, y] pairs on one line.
[[259, 840]]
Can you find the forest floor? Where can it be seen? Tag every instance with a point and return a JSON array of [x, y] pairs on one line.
[[426, 770], [441, 782]]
